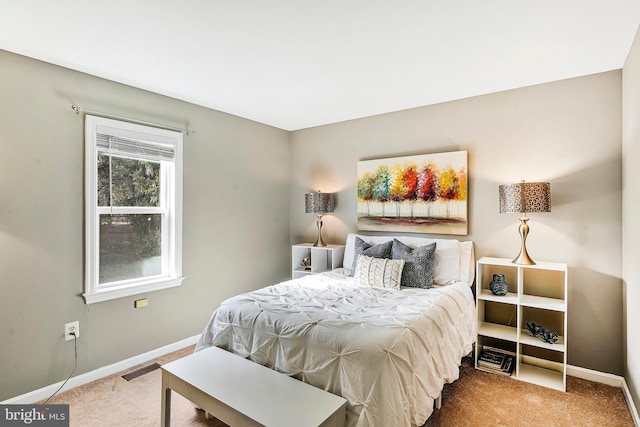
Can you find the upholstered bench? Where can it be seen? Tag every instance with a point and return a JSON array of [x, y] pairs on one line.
[[242, 393]]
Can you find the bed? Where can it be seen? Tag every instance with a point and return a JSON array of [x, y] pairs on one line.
[[387, 350]]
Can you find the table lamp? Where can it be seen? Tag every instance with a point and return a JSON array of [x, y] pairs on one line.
[[319, 204], [521, 198]]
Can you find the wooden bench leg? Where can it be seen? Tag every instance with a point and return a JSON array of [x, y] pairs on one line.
[[166, 407]]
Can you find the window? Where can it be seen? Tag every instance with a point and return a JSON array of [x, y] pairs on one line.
[[133, 209]]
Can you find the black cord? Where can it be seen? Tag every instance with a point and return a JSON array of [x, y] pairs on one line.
[[75, 365]]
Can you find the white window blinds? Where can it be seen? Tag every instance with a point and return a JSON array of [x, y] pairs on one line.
[[135, 148]]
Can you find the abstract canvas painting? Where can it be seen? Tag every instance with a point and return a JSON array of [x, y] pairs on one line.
[[421, 194]]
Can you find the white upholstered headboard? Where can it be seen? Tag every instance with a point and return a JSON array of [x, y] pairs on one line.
[[454, 259]]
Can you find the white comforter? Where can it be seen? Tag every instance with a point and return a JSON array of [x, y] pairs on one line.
[[388, 352]]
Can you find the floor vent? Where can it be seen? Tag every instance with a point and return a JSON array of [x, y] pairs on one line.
[[139, 372]]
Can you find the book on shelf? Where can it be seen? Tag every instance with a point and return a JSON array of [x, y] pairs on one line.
[[491, 359], [498, 372], [497, 350], [497, 361], [507, 366]]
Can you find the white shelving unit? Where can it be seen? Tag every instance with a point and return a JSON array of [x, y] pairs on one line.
[[537, 293], [323, 258]]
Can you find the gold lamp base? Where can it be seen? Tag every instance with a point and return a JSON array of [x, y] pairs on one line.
[[523, 257], [319, 241]]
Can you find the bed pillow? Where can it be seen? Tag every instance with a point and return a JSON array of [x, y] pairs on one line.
[[378, 272], [419, 266], [383, 250]]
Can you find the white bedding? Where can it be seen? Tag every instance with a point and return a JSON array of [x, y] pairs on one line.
[[388, 352]]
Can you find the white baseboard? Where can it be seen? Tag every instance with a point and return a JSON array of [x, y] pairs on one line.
[[45, 392], [632, 406], [595, 376], [608, 379]]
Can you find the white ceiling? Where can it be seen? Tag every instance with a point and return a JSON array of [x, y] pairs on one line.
[[295, 64]]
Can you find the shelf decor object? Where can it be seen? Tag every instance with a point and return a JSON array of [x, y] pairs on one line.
[[539, 331], [319, 204], [521, 198], [498, 285]]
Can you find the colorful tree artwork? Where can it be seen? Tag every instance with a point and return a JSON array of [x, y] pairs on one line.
[[424, 194]]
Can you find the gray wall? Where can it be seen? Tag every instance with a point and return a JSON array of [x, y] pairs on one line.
[[236, 225], [630, 215], [567, 132]]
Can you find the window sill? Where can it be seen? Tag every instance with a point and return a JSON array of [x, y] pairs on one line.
[[115, 292]]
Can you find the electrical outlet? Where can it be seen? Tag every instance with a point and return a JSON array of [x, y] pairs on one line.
[[71, 327], [139, 303]]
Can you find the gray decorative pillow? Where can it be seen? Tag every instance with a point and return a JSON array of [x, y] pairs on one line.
[[419, 264], [383, 250]]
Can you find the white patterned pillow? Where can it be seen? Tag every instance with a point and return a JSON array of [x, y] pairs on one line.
[[378, 272]]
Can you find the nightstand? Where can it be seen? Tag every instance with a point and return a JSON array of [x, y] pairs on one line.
[[537, 293], [323, 258]]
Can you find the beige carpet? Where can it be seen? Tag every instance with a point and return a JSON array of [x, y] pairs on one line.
[[483, 399], [476, 399]]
